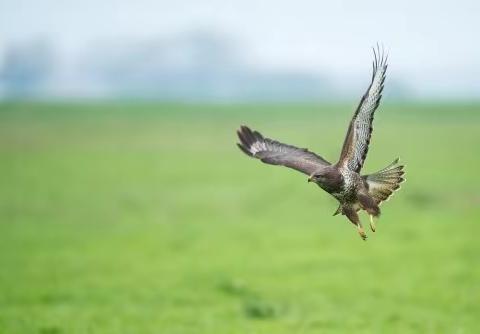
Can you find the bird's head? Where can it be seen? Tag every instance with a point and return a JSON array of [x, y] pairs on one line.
[[317, 176], [328, 178]]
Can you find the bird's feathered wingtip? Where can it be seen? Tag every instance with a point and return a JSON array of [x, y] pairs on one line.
[[247, 138], [380, 58]]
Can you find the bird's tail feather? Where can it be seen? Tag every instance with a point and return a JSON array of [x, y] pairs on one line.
[[382, 184]]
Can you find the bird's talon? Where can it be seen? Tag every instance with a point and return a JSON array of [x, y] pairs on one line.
[[372, 224], [362, 233]]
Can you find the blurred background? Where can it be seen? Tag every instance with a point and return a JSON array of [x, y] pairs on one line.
[[232, 51], [125, 206]]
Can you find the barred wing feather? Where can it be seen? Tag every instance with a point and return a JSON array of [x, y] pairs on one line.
[[355, 146], [272, 152]]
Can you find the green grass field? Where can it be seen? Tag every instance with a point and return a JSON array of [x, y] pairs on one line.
[[145, 218]]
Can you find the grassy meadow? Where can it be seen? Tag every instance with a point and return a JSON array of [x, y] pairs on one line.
[[146, 218]]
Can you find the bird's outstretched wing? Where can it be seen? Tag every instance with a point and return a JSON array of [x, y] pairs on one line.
[[253, 144], [355, 146]]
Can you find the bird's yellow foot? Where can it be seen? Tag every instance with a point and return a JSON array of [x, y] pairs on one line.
[[362, 233], [372, 224]]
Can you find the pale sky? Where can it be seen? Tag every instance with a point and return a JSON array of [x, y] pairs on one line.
[[434, 45]]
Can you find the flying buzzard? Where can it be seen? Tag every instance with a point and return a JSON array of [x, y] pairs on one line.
[[342, 180]]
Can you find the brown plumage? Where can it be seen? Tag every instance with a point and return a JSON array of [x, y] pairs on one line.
[[342, 179]]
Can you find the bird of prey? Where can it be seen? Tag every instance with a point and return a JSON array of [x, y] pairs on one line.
[[342, 179]]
